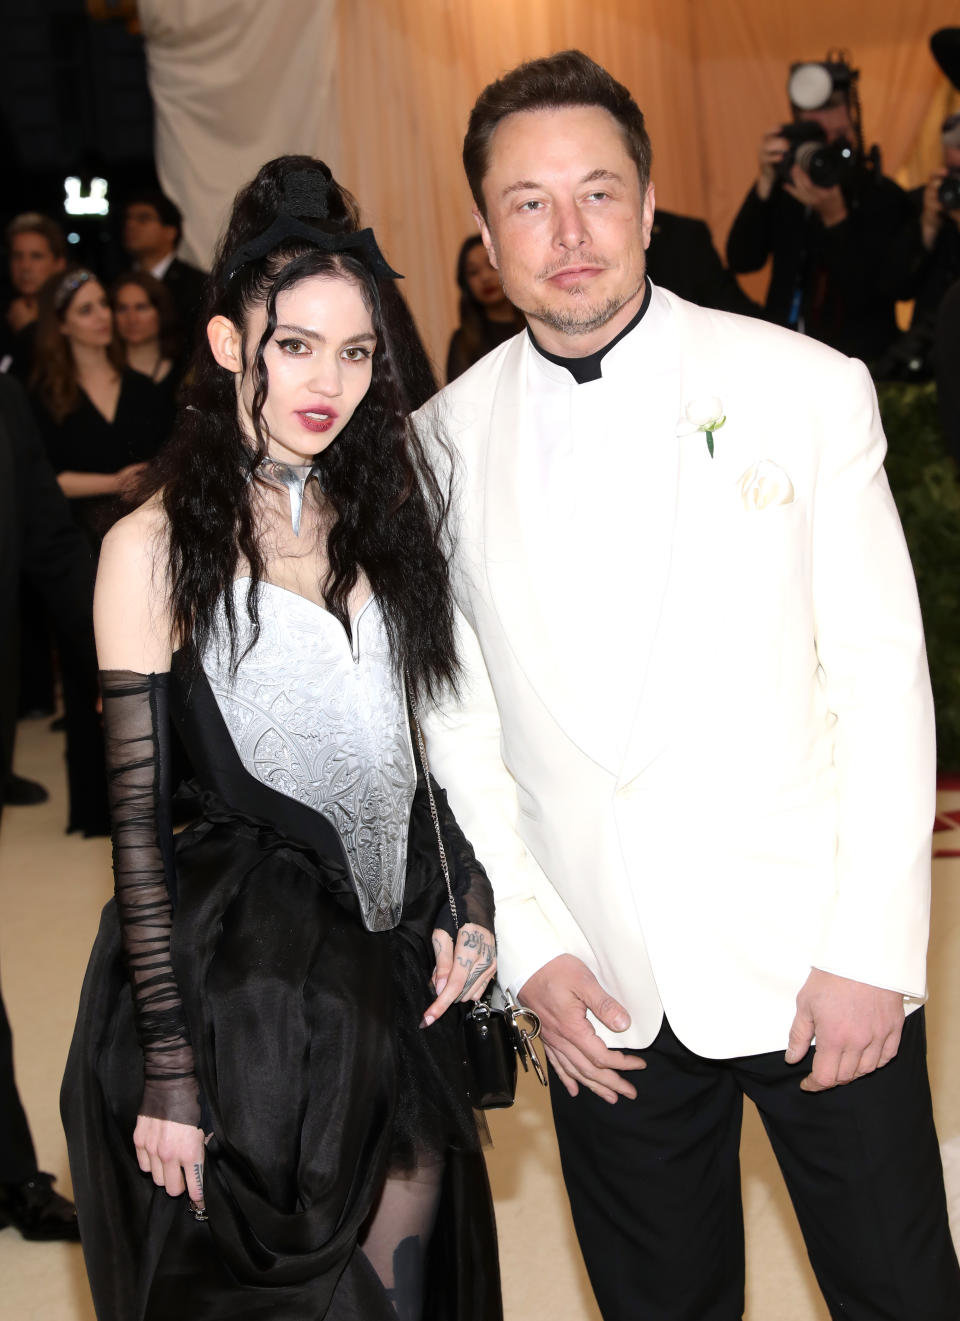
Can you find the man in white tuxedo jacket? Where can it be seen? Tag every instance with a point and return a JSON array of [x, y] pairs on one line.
[[694, 740]]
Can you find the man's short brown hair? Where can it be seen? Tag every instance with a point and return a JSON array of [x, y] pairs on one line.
[[33, 222], [568, 78]]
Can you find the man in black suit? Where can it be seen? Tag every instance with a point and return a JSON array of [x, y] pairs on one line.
[[38, 536], [682, 258], [152, 228]]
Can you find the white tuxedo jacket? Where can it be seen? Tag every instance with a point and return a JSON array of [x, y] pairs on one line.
[[773, 811]]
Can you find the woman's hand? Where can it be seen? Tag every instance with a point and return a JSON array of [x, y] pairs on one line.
[[463, 973], [128, 477], [173, 1154]]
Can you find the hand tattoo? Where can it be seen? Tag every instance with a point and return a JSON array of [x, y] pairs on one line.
[[488, 952]]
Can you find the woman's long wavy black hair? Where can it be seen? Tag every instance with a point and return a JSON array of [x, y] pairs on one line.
[[388, 506]]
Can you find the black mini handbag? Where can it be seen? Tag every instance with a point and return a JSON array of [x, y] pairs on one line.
[[495, 1036], [496, 1031]]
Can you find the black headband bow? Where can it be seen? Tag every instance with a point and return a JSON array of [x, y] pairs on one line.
[[305, 194]]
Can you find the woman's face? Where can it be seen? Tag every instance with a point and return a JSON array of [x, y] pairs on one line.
[[138, 321], [88, 320], [320, 364], [482, 280]]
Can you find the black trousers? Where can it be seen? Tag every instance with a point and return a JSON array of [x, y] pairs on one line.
[[17, 1159], [654, 1185]]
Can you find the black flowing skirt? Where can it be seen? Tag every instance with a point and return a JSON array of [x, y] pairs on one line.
[[316, 1081]]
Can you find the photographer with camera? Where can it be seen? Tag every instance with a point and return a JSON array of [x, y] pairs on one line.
[[929, 247], [931, 239], [940, 199], [827, 215]]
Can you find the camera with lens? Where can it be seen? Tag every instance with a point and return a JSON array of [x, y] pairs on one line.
[[825, 163], [948, 194]]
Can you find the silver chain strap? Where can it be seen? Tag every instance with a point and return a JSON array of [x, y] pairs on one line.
[[525, 1023], [436, 819]]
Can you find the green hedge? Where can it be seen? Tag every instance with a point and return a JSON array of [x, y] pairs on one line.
[[924, 482]]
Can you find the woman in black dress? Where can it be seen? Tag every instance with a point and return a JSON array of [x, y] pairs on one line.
[[100, 421], [487, 317], [258, 1030], [146, 321]]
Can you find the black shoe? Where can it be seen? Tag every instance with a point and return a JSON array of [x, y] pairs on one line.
[[19, 792], [37, 1211], [37, 713]]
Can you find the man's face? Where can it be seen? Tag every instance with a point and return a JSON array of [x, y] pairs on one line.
[[833, 119], [567, 224], [145, 234], [31, 262]]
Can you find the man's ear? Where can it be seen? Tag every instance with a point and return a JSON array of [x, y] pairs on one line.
[[225, 343], [485, 235], [649, 207]]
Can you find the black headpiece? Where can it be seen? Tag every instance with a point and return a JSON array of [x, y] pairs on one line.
[[304, 194], [945, 45]]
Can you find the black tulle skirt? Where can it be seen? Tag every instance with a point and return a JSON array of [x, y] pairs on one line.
[[316, 1083]]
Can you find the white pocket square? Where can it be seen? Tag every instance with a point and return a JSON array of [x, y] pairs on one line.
[[764, 485]]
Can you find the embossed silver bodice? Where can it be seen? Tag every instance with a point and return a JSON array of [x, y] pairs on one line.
[[325, 723]]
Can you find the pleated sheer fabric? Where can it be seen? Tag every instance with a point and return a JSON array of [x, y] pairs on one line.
[[136, 725], [472, 892]]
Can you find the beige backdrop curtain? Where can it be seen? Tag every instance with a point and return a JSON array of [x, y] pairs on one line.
[[382, 89], [235, 82]]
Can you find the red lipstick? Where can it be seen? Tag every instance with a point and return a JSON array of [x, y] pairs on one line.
[[317, 419]]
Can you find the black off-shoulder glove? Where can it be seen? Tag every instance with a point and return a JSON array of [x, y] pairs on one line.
[[136, 730]]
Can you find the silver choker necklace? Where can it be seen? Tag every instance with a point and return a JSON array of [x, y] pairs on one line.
[[293, 476]]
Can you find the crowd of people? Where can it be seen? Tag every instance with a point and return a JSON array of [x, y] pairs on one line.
[[266, 1072]]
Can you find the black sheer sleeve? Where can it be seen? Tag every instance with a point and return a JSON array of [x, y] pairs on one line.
[[136, 730], [472, 891]]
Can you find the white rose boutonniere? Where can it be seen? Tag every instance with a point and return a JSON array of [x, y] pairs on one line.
[[705, 414]]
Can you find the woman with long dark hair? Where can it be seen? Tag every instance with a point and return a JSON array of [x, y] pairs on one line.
[[146, 319], [264, 1100], [98, 419], [487, 317]]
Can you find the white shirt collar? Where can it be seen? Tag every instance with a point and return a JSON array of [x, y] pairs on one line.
[[161, 268]]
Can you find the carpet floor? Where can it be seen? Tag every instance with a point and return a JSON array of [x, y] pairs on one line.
[[51, 890]]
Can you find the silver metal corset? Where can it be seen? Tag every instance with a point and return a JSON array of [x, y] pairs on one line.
[[325, 724]]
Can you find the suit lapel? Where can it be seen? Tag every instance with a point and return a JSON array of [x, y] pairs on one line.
[[696, 481], [513, 589], [574, 686]]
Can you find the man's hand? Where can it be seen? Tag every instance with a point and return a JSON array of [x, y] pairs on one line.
[[829, 203], [21, 312], [933, 215], [857, 1028], [773, 148], [561, 992]]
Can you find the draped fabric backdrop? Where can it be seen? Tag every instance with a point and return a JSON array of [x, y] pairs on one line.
[[234, 83], [381, 89]]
